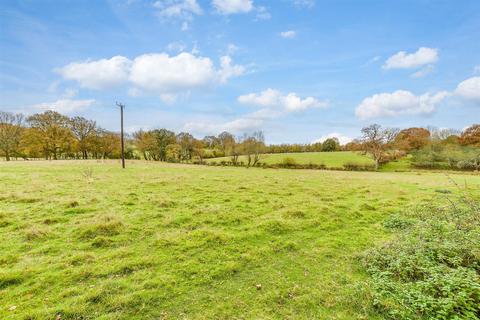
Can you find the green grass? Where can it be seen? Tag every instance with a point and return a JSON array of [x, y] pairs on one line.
[[329, 159], [87, 240]]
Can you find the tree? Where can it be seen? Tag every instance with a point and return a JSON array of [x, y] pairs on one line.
[[10, 133], [226, 140], [83, 130], [108, 144], [185, 140], [199, 149], [163, 138], [376, 141], [145, 143], [471, 136], [331, 144], [173, 152], [53, 129], [412, 139]]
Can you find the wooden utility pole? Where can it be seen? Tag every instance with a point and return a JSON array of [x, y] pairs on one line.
[[122, 106]]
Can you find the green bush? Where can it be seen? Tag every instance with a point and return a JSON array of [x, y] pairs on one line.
[[288, 162], [447, 157], [431, 269]]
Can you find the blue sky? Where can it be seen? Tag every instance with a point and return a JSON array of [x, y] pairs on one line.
[[300, 70]]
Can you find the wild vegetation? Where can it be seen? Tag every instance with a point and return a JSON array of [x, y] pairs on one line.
[[50, 135], [88, 240], [431, 269]]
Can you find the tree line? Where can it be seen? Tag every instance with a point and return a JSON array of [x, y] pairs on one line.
[[51, 135]]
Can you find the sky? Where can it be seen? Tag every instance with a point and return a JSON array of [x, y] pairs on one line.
[[300, 70]]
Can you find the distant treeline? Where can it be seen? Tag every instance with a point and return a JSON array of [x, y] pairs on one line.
[[51, 135]]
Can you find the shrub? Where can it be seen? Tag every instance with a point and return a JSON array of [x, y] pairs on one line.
[[288, 162], [352, 166], [431, 269]]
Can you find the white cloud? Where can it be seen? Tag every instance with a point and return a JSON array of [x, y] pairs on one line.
[[156, 73], [476, 69], [99, 74], [404, 60], [167, 75], [228, 70], [398, 103], [469, 89], [232, 6], [182, 9], [240, 125], [288, 34], [273, 103], [262, 13], [423, 72], [341, 138], [64, 105], [271, 98], [176, 46], [304, 3]]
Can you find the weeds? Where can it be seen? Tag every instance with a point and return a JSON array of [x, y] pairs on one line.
[[431, 270]]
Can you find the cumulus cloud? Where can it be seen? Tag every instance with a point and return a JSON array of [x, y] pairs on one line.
[[469, 89], [341, 138], [227, 7], [290, 102], [398, 103], [273, 105], [99, 74], [157, 73], [288, 34], [227, 70], [183, 9], [64, 105], [404, 60]]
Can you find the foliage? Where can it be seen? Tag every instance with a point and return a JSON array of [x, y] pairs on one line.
[[431, 269], [446, 156]]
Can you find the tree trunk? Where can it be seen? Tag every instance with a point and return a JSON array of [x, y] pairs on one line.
[[7, 155]]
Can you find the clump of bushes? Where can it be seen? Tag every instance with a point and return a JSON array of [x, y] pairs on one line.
[[352, 166], [451, 157], [288, 162], [431, 269]]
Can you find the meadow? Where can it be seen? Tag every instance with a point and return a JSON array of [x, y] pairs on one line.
[[88, 240], [329, 159]]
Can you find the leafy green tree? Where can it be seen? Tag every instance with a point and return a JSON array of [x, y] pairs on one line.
[[331, 144]]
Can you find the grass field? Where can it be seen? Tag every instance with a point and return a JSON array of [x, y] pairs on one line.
[[329, 159], [87, 240]]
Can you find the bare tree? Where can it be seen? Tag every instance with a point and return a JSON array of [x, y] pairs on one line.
[[10, 133], [377, 140], [259, 146]]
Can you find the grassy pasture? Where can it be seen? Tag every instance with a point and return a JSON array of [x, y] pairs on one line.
[[87, 240], [329, 159]]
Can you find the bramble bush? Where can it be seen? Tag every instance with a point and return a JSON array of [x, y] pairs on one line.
[[431, 269]]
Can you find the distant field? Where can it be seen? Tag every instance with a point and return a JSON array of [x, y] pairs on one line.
[[329, 159], [87, 240]]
